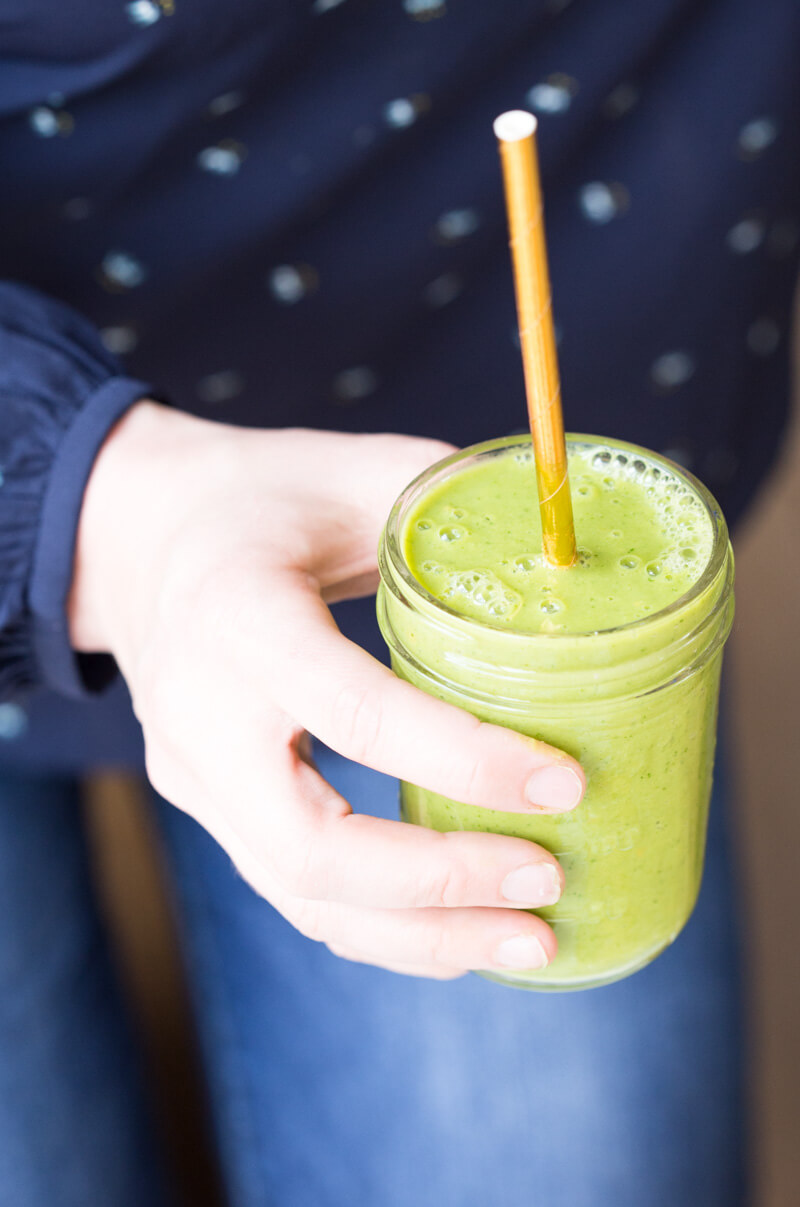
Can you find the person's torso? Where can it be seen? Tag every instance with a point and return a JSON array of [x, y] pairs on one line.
[[292, 214]]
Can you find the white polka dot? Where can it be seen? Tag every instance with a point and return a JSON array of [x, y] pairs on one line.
[[76, 209], [601, 202], [353, 384], [224, 159], [621, 100], [120, 270], [363, 136], [290, 283], [680, 455], [425, 10], [119, 340], [672, 369], [322, 6], [13, 721], [782, 238], [553, 95], [763, 336], [220, 387], [48, 123], [143, 12], [226, 103], [745, 236], [399, 113], [756, 136], [443, 290], [404, 110], [455, 225], [44, 122]]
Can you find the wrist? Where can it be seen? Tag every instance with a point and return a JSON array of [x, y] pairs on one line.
[[133, 496]]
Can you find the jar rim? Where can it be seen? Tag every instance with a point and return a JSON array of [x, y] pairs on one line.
[[391, 547]]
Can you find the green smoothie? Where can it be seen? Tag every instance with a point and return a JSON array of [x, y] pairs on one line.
[[615, 660]]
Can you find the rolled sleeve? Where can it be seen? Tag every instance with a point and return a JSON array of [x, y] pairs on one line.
[[60, 394]]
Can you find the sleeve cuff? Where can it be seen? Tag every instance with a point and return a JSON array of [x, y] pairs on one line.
[[61, 668]]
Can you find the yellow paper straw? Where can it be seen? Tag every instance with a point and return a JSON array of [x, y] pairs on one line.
[[515, 132]]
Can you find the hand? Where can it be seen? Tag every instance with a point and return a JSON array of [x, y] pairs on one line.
[[206, 558]]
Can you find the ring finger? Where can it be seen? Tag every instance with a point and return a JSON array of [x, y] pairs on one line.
[[469, 938]]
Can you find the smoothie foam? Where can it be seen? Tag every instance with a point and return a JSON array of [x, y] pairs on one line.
[[475, 543]]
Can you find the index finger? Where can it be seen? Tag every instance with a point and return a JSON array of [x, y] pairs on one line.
[[362, 710]]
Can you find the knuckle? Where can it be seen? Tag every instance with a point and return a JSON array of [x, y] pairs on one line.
[[437, 946], [422, 451], [435, 450], [303, 872], [308, 917], [356, 720], [447, 887], [476, 775]]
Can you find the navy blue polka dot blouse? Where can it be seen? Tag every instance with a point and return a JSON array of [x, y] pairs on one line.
[[289, 212]]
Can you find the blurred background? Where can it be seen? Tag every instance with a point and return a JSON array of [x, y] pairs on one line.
[[763, 672]]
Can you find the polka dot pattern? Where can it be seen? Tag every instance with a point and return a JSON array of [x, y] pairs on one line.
[[671, 370], [351, 385], [553, 95], [601, 202], [13, 722], [220, 387], [120, 270], [319, 239], [223, 159]]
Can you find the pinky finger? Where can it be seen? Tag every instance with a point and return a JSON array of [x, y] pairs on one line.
[[431, 971]]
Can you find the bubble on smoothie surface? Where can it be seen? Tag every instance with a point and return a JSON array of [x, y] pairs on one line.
[[484, 591], [644, 537]]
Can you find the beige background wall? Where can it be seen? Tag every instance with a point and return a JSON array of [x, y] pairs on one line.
[[765, 661], [766, 676]]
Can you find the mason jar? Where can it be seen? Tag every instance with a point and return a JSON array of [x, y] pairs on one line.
[[635, 704]]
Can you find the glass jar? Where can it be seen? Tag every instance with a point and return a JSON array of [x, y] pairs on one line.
[[636, 705]]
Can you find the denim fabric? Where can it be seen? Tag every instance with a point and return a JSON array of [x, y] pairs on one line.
[[73, 1128], [336, 1084]]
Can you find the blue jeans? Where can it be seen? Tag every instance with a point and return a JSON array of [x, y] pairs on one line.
[[335, 1085]]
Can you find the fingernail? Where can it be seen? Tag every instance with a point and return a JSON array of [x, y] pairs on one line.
[[556, 787], [523, 951], [532, 884]]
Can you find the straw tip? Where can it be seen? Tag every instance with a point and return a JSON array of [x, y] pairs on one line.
[[514, 125]]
